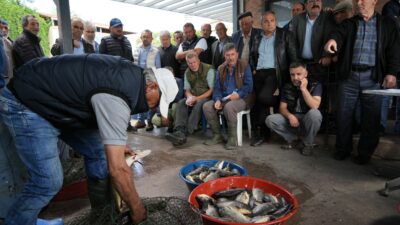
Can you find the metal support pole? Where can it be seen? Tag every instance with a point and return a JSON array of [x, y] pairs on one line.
[[235, 13], [64, 25]]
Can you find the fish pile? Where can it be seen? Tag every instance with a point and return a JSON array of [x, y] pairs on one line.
[[242, 205], [203, 173]]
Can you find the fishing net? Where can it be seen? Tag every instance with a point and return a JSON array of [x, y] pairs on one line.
[[74, 170], [160, 211]]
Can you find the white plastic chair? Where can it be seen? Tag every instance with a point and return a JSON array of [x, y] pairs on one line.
[[240, 125]]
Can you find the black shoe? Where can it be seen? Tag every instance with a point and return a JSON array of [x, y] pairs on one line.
[[307, 150], [257, 141], [149, 127], [177, 137], [341, 155], [131, 128], [361, 160]]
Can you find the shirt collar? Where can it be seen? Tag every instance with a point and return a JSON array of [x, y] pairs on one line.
[[251, 29], [273, 35], [309, 20]]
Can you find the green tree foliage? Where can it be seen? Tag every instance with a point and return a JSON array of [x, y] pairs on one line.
[[12, 11]]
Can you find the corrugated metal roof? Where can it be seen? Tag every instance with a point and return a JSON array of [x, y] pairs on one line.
[[214, 9]]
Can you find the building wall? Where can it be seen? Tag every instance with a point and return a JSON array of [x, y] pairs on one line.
[[256, 7]]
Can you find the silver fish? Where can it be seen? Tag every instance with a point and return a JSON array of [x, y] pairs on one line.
[[234, 214], [260, 219], [211, 176], [229, 192], [203, 175], [219, 165], [211, 210], [258, 194], [243, 197], [236, 204], [197, 171], [205, 200], [264, 209]]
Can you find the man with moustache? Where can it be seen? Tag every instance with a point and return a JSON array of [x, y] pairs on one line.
[[231, 94], [311, 29], [368, 47]]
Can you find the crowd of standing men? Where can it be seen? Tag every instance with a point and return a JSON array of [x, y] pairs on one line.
[[272, 69]]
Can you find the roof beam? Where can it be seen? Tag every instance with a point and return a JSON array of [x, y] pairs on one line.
[[200, 6], [150, 4], [175, 4]]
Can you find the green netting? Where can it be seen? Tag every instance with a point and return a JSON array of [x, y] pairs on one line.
[[74, 170]]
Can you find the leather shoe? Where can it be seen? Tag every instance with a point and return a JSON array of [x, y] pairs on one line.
[[341, 155], [360, 160], [257, 141], [149, 127], [140, 124], [131, 128]]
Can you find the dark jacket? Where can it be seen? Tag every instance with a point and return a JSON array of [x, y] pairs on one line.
[[56, 48], [3, 64], [388, 47], [167, 56], [217, 56], [111, 45], [237, 39], [292, 93], [392, 10], [208, 53], [60, 88], [26, 47], [285, 54], [323, 27]]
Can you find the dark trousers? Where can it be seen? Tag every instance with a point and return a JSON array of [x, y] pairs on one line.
[[265, 85], [187, 118], [350, 91]]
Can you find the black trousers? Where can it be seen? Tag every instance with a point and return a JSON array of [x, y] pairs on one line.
[[265, 85], [350, 91]]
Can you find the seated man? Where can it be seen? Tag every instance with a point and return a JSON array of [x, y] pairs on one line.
[[298, 109], [87, 103], [198, 84], [231, 94]]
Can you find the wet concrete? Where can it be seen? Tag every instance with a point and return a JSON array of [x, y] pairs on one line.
[[329, 192]]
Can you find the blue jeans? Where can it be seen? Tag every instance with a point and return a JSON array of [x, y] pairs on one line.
[[36, 144]]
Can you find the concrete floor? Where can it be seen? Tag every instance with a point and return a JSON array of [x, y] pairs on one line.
[[329, 192]]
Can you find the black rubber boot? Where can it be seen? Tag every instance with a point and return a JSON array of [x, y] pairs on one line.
[[99, 192]]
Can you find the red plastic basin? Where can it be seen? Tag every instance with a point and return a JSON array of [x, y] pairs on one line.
[[214, 186]]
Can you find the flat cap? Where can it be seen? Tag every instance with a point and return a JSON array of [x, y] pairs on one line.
[[245, 14], [342, 6]]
